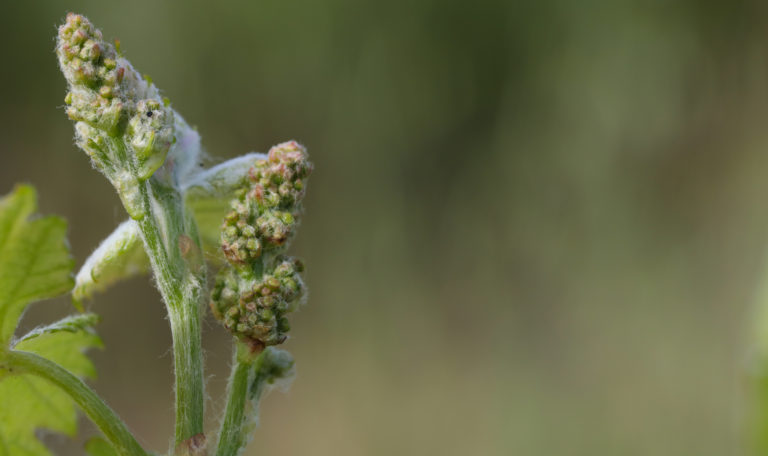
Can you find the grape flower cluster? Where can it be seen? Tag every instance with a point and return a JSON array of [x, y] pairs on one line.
[[260, 285]]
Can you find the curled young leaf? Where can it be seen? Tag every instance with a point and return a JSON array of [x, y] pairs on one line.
[[119, 256]]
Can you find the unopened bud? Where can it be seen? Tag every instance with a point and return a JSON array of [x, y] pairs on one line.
[[150, 132]]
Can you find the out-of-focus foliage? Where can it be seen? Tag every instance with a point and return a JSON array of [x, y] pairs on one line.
[[34, 258], [32, 404], [98, 446], [35, 264], [535, 227]]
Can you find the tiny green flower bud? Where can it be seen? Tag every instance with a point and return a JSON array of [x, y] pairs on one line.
[[106, 91], [272, 283], [248, 230], [90, 50], [254, 247]]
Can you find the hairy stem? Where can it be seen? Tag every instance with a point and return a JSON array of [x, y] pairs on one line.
[[104, 417], [172, 245], [163, 231], [231, 435], [245, 383], [188, 366]]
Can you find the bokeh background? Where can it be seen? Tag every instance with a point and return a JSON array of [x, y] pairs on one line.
[[535, 227]]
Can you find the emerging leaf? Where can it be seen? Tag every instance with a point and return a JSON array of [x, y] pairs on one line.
[[119, 256], [274, 367]]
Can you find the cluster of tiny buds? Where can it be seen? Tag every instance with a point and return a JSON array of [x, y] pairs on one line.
[[253, 296], [257, 309], [91, 63], [109, 99], [264, 216]]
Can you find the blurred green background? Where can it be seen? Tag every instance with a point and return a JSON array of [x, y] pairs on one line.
[[534, 228]]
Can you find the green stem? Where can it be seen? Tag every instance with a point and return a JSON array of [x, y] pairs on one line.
[[104, 417], [231, 435], [158, 209], [188, 366], [180, 288], [245, 382]]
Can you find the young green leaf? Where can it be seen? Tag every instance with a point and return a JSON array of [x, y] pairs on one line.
[[34, 259]]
